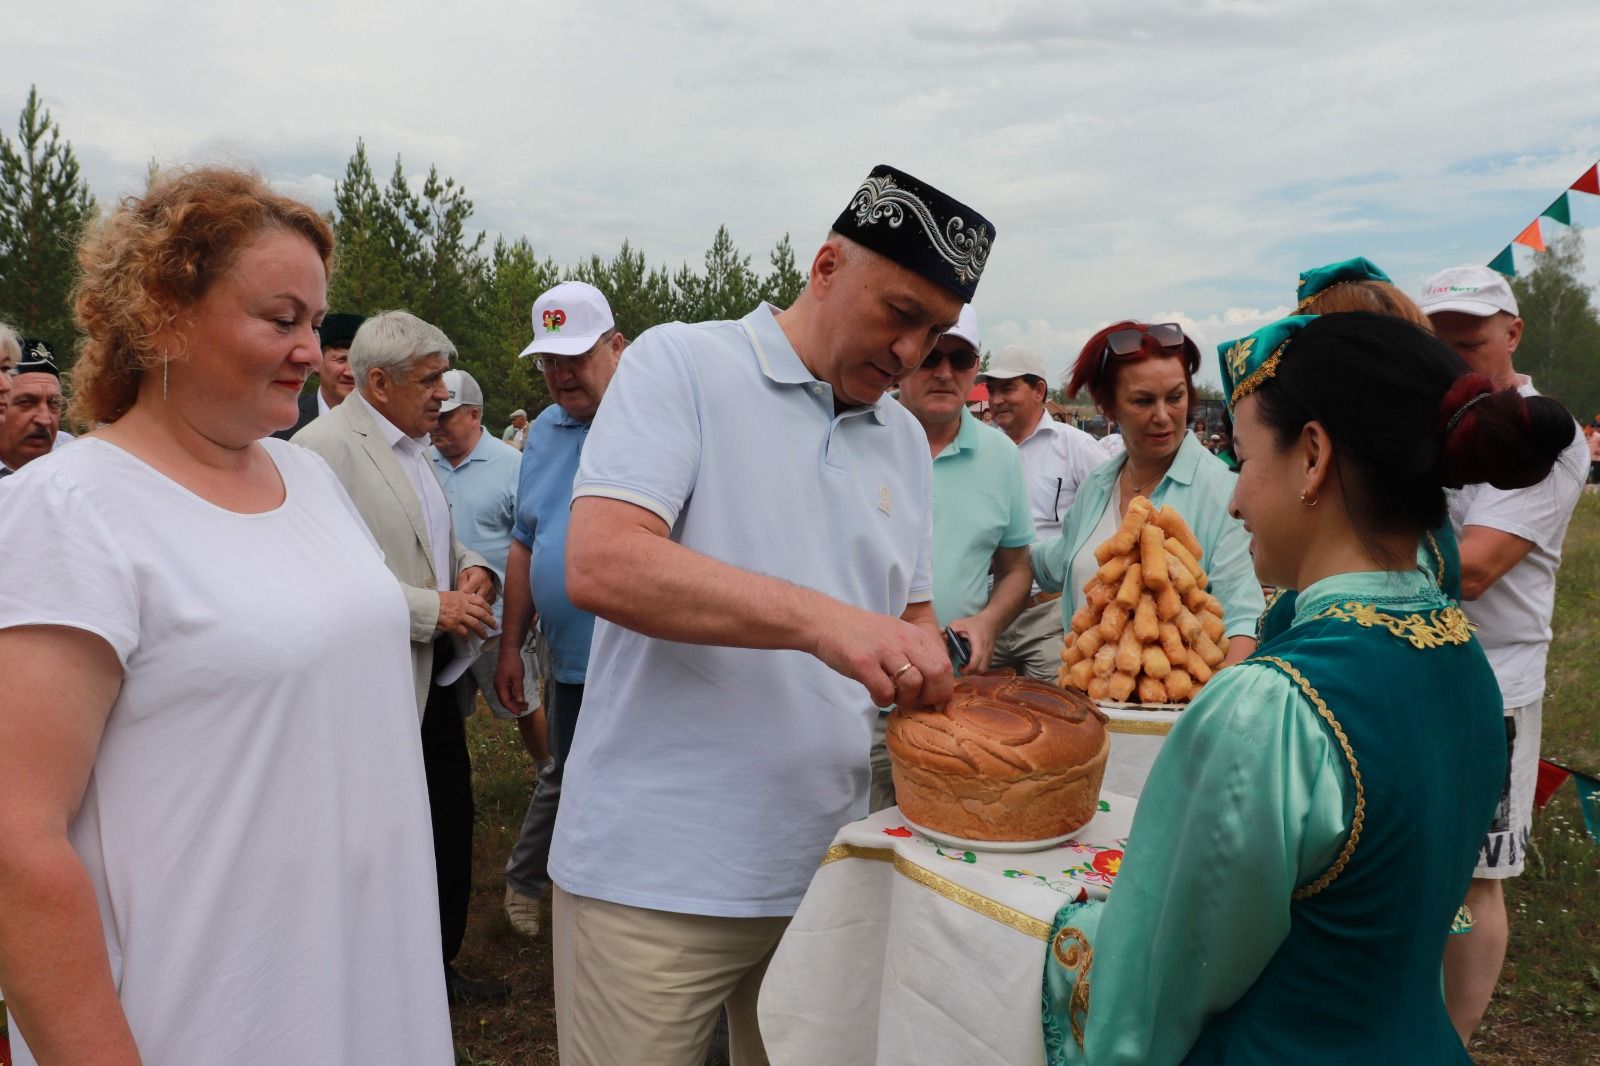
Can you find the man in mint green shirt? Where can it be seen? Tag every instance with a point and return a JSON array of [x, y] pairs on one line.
[[982, 523]]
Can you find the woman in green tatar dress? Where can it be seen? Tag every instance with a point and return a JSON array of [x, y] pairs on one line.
[[1309, 829]]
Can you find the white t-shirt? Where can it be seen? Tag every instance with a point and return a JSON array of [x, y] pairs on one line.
[[1513, 614], [709, 780], [256, 823]]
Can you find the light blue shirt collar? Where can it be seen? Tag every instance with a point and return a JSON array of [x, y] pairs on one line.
[[781, 364]]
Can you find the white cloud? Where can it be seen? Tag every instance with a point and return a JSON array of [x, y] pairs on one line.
[[1191, 154]]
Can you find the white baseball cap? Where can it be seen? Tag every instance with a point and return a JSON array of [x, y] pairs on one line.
[[1013, 361], [966, 328], [464, 391], [1472, 290], [568, 319]]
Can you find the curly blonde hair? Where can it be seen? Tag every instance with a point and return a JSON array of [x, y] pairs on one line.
[[154, 258], [1368, 294]]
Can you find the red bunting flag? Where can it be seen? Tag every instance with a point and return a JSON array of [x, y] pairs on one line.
[[1551, 777], [1590, 182], [1531, 237]]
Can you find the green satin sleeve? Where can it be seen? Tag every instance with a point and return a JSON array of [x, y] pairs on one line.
[[1245, 803]]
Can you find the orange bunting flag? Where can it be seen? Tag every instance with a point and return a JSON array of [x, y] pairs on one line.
[[1531, 237], [1590, 182]]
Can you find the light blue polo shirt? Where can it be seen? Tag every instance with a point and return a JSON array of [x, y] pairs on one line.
[[709, 780], [483, 499], [980, 503], [1198, 485], [544, 498]]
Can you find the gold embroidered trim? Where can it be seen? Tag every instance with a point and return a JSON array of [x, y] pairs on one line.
[[1272, 601], [1076, 958], [1449, 626], [1259, 377], [1023, 923], [1438, 560], [1360, 817], [1122, 725], [1300, 308]]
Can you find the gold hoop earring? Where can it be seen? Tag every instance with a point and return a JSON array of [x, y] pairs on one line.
[[1311, 502]]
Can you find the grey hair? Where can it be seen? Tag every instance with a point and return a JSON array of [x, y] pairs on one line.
[[10, 346], [393, 340]]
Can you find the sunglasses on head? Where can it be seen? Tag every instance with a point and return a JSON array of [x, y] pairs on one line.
[[1126, 342], [961, 360]]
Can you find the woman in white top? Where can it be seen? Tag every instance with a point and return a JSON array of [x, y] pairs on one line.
[[214, 844]]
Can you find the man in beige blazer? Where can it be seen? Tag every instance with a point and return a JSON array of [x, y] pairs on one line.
[[375, 442]]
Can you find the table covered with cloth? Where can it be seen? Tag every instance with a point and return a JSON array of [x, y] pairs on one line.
[[908, 951]]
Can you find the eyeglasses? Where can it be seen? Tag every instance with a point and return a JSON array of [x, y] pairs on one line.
[[548, 363], [1126, 342], [963, 360]]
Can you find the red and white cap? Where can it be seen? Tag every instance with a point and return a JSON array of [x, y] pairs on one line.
[[568, 319]]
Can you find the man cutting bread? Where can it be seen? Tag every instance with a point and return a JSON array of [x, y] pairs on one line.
[[751, 522]]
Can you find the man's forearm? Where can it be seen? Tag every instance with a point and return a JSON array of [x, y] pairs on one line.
[[1012, 582], [641, 580], [516, 612]]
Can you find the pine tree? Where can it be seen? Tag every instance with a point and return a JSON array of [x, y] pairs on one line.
[[785, 284], [514, 278], [366, 279], [44, 206], [1560, 346]]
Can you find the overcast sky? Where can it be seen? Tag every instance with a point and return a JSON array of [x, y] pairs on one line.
[[1167, 159]]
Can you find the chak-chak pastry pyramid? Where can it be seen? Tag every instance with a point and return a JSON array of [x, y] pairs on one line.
[[1149, 631]]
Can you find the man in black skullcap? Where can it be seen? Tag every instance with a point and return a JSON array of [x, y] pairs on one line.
[[751, 522], [32, 419], [335, 379]]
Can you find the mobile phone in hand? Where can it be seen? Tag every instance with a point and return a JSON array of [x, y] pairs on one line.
[[959, 647]]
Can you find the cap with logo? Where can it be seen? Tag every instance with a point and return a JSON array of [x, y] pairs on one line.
[[1472, 290], [1014, 361], [38, 357], [464, 391], [919, 227], [568, 319]]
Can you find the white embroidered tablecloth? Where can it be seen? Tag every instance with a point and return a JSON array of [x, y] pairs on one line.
[[909, 952]]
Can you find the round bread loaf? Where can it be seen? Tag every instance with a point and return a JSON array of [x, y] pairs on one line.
[[1008, 759]]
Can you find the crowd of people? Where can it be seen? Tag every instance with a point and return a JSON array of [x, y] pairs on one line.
[[253, 618]]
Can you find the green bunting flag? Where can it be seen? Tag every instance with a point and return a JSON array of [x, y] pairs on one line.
[[1589, 801], [1561, 211], [1504, 263]]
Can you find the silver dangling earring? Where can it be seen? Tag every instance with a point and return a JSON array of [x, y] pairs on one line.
[[164, 361]]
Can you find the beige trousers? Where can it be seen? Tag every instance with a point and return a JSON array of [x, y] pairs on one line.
[[644, 987]]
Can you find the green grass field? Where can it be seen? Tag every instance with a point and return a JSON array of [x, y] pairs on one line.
[[1546, 1011]]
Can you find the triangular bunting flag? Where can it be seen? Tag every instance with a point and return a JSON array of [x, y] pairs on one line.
[[1531, 237], [1589, 803], [1560, 211], [1590, 182], [1504, 263], [1551, 777]]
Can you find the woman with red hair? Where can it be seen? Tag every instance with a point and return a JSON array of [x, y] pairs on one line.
[[1141, 376]]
